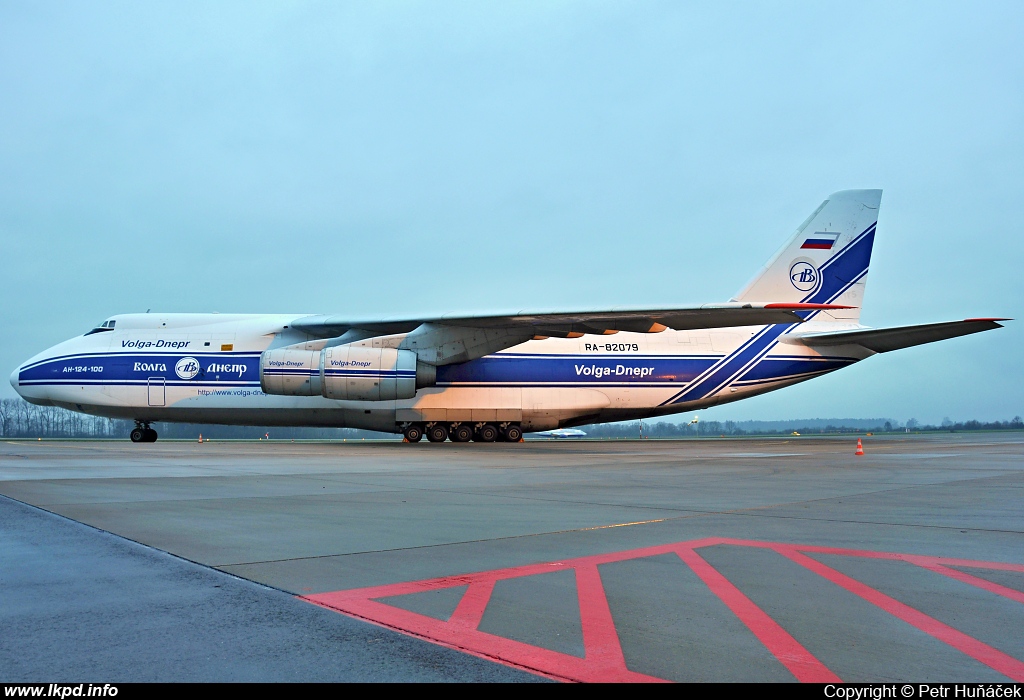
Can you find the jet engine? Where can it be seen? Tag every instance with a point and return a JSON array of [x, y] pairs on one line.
[[344, 372]]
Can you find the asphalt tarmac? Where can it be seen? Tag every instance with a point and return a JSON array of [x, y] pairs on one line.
[[710, 560]]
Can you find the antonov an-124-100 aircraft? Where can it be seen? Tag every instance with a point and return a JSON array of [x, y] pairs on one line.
[[492, 377]]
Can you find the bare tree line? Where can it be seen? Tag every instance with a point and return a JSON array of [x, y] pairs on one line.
[[20, 419], [812, 427]]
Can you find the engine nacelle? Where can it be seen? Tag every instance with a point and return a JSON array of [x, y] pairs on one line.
[[354, 373], [344, 372], [291, 372]]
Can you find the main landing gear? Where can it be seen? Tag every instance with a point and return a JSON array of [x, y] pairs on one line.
[[463, 432], [142, 432]]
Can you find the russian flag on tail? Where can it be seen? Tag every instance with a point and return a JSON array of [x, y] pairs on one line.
[[821, 240]]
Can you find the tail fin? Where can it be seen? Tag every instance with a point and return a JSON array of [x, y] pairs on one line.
[[826, 260]]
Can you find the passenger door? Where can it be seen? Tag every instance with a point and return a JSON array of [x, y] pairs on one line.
[[157, 391]]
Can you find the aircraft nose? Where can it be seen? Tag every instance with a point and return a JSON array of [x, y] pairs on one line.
[[14, 379]]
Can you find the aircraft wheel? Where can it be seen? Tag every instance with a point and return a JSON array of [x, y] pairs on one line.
[[438, 432], [488, 432], [513, 433], [414, 433], [463, 432], [138, 435], [150, 435]]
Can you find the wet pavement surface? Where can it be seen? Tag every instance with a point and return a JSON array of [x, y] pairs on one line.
[[730, 559]]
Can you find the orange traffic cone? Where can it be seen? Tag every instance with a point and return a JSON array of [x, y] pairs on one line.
[[200, 438], [860, 449]]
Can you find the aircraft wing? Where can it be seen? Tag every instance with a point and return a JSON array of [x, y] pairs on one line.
[[886, 339], [575, 324]]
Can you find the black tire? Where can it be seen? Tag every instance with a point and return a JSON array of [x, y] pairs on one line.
[[414, 433], [150, 435], [437, 432], [138, 435], [513, 433], [462, 433], [488, 432]]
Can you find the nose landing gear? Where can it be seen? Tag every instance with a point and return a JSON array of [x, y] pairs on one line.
[[142, 432]]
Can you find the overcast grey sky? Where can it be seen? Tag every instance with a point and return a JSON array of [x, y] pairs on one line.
[[401, 158]]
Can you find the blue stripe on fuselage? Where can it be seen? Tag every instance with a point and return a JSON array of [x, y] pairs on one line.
[[552, 369], [512, 369], [774, 368], [732, 365], [118, 368]]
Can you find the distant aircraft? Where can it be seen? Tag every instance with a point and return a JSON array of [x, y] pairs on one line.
[[563, 433], [491, 377]]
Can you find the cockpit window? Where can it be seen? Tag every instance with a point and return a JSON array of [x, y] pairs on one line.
[[105, 326]]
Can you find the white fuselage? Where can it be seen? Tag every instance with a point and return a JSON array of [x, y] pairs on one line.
[[204, 368]]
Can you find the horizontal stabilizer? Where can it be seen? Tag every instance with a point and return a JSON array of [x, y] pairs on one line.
[[886, 339]]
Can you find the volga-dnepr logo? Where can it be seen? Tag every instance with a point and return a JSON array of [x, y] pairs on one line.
[[804, 276], [187, 368]]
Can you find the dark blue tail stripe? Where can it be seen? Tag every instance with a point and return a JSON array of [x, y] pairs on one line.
[[839, 273]]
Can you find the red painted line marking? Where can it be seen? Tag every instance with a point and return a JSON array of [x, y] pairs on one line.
[[604, 660], [919, 559], [473, 642], [976, 581], [979, 651], [470, 609], [937, 564], [790, 653], [600, 639], [968, 563]]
